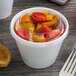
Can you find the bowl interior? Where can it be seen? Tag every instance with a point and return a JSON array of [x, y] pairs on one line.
[[38, 9]]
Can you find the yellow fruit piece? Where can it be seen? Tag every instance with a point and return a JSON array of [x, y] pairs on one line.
[[49, 17], [29, 14], [31, 28], [37, 38], [5, 56], [39, 26], [28, 26], [46, 13]]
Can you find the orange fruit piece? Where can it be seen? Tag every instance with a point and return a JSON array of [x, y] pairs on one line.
[[37, 38], [53, 22], [5, 56], [25, 18]]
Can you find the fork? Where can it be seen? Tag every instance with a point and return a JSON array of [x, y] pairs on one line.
[[69, 68]]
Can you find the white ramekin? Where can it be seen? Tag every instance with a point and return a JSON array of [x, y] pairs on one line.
[[5, 8], [39, 55]]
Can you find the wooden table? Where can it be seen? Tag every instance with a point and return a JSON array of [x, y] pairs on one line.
[[17, 67]]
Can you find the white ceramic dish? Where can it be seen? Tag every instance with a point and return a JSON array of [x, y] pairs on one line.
[[39, 55]]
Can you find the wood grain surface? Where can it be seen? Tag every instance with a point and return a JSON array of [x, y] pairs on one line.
[[17, 66]]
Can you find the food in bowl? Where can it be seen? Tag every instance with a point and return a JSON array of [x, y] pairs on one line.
[[39, 26]]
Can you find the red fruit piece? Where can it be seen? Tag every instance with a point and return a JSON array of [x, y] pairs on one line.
[[44, 30], [22, 33], [52, 35], [39, 17]]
